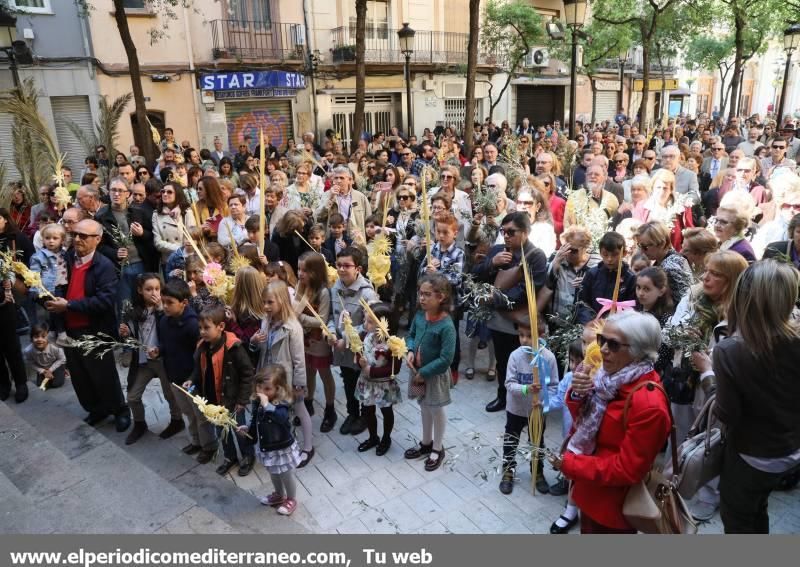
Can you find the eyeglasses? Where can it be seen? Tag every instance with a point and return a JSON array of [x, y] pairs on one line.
[[167, 192], [446, 176], [344, 266], [613, 344], [83, 235], [720, 149], [638, 143], [774, 147], [650, 158], [722, 222], [619, 161], [509, 231], [406, 154], [792, 206], [403, 197], [525, 203], [646, 247], [117, 191], [744, 170]]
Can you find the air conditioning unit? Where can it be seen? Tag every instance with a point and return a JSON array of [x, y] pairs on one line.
[[298, 34], [537, 57]]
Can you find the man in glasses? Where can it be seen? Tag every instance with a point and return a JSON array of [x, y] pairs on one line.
[[712, 165], [777, 162], [636, 151], [427, 158], [545, 162], [600, 204], [746, 180], [685, 180], [792, 143], [127, 238], [88, 309]]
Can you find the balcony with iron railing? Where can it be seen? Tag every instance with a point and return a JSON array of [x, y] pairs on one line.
[[430, 47], [258, 40]]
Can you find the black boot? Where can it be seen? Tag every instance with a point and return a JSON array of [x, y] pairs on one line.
[[328, 419], [309, 406], [22, 392], [139, 429]]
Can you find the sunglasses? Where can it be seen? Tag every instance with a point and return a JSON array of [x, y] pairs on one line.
[[774, 147], [527, 203], [613, 344], [720, 149], [619, 161], [788, 206], [509, 231], [403, 197], [83, 235], [446, 176], [167, 192]]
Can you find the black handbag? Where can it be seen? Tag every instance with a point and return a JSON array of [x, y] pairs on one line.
[[679, 382]]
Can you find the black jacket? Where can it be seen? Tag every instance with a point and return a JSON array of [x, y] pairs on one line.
[[144, 243], [237, 378], [20, 243], [599, 282], [100, 294], [178, 339], [537, 265], [272, 427]]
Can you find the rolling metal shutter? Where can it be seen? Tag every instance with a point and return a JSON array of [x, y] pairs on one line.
[[246, 118], [7, 147], [76, 109], [541, 104], [605, 105]]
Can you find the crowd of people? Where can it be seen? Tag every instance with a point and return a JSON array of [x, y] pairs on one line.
[[684, 241]]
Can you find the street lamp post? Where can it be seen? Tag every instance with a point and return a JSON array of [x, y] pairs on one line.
[[406, 37], [791, 41], [574, 15], [8, 37], [623, 58]]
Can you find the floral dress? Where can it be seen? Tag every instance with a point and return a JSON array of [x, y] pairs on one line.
[[379, 386]]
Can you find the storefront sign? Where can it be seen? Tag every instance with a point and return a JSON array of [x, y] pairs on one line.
[[655, 85], [606, 85], [254, 93], [252, 80]]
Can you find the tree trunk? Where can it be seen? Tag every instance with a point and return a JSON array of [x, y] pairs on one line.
[[472, 64], [594, 99], [645, 86], [663, 87], [142, 125], [361, 73], [738, 62]]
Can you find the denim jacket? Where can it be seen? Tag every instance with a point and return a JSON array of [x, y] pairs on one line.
[[46, 263]]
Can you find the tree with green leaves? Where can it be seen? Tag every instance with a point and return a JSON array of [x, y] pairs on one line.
[[751, 23], [713, 53], [513, 28], [643, 19]]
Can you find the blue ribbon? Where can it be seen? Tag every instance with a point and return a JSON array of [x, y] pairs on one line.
[[538, 363]]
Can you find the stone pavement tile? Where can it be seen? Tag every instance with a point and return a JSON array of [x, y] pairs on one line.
[[462, 486], [440, 492], [457, 523], [436, 527], [313, 480], [396, 517], [387, 483], [483, 517], [356, 466], [325, 514], [301, 516], [344, 501], [90, 508], [788, 524], [325, 448], [422, 504], [162, 456], [363, 490], [251, 482], [333, 472], [197, 520], [352, 526], [409, 473], [504, 509]]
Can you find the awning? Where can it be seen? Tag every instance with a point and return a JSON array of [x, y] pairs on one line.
[[680, 92], [552, 81]]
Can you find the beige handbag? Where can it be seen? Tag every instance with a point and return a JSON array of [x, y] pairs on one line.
[[700, 456], [654, 506]]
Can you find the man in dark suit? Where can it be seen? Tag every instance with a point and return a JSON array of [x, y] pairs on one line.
[[636, 151], [88, 309], [127, 238]]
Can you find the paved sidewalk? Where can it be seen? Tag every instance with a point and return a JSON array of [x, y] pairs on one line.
[[343, 491]]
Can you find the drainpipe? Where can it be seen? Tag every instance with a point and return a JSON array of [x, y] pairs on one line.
[[310, 65], [188, 33]]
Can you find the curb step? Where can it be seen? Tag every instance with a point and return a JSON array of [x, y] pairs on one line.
[[60, 475]]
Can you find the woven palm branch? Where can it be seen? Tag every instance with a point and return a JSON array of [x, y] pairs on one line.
[[35, 152]]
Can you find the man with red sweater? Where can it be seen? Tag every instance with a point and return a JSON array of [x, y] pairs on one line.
[[89, 309]]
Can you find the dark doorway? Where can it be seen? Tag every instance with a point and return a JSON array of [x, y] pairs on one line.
[[540, 104]]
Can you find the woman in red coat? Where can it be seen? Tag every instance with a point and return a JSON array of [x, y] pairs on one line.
[[603, 459]]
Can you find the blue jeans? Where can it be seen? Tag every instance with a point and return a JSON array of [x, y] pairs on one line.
[[128, 281]]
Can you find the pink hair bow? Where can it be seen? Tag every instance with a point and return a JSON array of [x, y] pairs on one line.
[[608, 304]]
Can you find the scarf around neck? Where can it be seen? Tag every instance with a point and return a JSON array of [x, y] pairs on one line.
[[606, 387]]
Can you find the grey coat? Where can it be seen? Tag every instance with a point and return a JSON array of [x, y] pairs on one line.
[[286, 349]]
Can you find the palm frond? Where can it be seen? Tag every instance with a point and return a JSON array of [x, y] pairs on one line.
[[35, 152], [109, 120], [5, 190], [88, 140]]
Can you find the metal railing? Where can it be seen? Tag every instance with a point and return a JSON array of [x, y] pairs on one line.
[[239, 39], [383, 46]]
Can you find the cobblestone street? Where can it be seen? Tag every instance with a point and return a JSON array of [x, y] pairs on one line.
[[89, 482]]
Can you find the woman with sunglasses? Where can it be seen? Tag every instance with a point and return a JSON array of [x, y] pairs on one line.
[[402, 218], [556, 204], [702, 309], [449, 177], [143, 174], [610, 452], [167, 234]]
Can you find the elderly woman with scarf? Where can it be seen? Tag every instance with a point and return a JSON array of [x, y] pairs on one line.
[[608, 453]]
